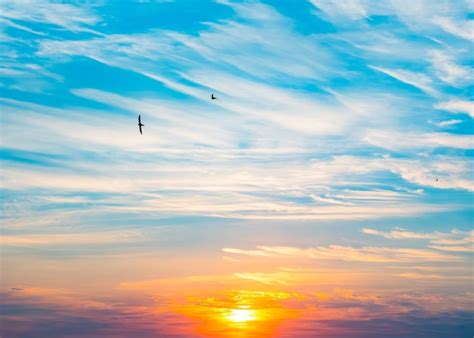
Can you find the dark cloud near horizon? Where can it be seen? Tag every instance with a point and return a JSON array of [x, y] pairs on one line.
[[25, 318]]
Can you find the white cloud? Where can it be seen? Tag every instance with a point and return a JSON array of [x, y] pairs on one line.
[[197, 188], [64, 15], [455, 241], [418, 80], [350, 9], [466, 238], [351, 254], [395, 140], [448, 123], [437, 174], [284, 108], [448, 70], [454, 248], [429, 276], [198, 151], [227, 43], [457, 107], [463, 243], [421, 16], [90, 238], [461, 28], [403, 234]]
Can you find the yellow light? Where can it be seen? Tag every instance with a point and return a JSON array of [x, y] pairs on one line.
[[241, 315]]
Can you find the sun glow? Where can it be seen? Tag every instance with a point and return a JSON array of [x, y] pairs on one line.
[[241, 315], [238, 313]]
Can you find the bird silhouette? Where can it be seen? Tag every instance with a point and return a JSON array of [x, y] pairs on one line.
[[213, 97], [140, 124]]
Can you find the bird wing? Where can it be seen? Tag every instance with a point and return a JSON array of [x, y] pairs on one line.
[[139, 120], [140, 127]]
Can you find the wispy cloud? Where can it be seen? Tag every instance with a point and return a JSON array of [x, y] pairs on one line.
[[91, 238], [345, 253], [456, 241], [462, 28], [403, 234], [457, 107], [418, 80], [463, 243], [448, 70], [62, 15], [398, 140], [448, 123], [432, 276]]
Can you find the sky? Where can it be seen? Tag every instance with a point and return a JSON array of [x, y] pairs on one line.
[[326, 192]]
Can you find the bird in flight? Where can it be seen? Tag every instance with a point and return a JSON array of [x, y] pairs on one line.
[[140, 124], [213, 97]]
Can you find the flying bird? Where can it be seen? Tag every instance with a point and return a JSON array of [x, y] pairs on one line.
[[140, 124], [213, 97]]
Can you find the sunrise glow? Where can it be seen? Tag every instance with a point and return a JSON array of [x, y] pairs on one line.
[[241, 315]]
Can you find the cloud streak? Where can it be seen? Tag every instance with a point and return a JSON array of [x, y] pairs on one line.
[[351, 254], [455, 241]]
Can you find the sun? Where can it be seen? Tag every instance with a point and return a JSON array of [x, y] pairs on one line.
[[241, 315]]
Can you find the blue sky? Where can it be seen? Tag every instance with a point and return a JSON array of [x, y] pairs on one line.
[[342, 133]]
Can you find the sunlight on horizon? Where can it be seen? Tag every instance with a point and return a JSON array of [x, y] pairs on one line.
[[241, 315], [238, 313]]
